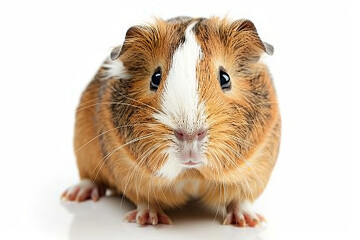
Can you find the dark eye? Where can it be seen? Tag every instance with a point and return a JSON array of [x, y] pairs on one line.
[[224, 80], [155, 80]]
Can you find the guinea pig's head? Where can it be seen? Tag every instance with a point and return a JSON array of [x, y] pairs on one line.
[[191, 95]]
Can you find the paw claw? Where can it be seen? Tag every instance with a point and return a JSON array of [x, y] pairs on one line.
[[164, 219], [82, 191], [130, 216], [240, 221], [95, 194], [147, 217], [261, 218], [242, 217], [72, 193], [153, 217]]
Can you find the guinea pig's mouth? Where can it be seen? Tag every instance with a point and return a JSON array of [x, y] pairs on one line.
[[191, 163], [190, 158]]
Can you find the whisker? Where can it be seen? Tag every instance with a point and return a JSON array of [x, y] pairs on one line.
[[243, 142], [218, 173], [135, 167], [236, 167], [104, 159], [159, 185], [156, 165], [101, 135], [258, 104], [109, 103], [144, 158], [247, 163], [156, 110]]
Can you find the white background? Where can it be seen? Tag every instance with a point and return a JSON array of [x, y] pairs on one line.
[[49, 51]]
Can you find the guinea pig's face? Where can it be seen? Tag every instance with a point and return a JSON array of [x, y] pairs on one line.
[[190, 95]]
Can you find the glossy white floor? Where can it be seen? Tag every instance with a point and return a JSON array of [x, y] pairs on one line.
[[48, 53], [93, 220]]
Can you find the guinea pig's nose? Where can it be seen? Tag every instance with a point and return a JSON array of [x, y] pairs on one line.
[[184, 136]]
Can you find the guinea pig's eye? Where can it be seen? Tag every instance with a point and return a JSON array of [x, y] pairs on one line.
[[224, 79], [155, 80]]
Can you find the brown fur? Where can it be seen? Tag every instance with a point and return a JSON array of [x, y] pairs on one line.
[[244, 123]]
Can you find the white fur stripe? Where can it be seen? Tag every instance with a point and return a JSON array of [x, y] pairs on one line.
[[180, 104], [180, 100]]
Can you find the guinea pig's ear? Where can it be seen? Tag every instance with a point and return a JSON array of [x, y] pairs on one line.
[[134, 31], [247, 25], [115, 53], [269, 49], [130, 33]]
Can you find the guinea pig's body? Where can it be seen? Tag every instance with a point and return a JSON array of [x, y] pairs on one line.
[[183, 110]]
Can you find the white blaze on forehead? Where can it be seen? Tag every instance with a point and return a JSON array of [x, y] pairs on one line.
[[180, 105], [180, 99]]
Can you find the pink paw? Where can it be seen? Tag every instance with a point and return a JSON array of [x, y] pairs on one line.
[[82, 191], [242, 216], [145, 216]]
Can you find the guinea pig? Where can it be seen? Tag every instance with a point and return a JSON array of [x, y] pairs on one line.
[[183, 109]]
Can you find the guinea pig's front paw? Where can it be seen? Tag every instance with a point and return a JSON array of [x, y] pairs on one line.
[[242, 215], [145, 215], [85, 189]]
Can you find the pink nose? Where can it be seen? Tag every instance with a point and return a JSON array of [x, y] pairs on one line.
[[184, 136]]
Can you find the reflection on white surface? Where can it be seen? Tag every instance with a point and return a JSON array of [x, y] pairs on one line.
[[104, 220]]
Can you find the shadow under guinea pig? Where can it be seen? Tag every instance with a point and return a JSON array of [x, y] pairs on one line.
[[104, 220]]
